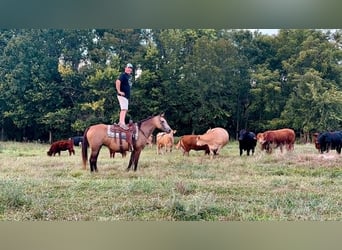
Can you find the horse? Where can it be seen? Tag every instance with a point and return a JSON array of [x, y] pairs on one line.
[[96, 136]]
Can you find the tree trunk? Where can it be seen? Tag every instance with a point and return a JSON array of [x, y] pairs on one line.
[[50, 137]]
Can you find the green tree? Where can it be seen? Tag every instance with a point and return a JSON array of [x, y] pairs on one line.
[[29, 77], [314, 74]]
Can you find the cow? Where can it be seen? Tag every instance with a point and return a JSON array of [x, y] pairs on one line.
[[112, 153], [149, 142], [124, 153], [215, 138], [61, 145], [272, 139], [327, 141], [247, 141], [315, 140], [165, 140], [188, 142], [77, 140]]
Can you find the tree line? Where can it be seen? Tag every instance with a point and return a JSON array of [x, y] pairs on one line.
[[56, 82]]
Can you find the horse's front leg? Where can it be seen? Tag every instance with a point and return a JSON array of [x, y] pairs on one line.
[[131, 159], [136, 159]]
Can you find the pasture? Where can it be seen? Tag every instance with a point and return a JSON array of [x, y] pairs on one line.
[[293, 186]]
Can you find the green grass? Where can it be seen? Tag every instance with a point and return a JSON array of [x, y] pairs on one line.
[[301, 185]]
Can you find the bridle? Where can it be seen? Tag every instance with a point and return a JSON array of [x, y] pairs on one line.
[[143, 133]]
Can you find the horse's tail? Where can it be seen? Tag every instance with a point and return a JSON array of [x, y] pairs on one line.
[[85, 145]]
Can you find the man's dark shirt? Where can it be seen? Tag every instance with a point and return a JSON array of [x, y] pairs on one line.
[[125, 84]]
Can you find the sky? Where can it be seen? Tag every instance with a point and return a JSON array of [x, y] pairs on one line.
[[275, 31], [267, 31]]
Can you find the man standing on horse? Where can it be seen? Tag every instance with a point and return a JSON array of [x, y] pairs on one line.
[[123, 87]]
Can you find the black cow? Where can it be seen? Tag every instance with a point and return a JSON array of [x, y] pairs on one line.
[[330, 141], [77, 140], [247, 141]]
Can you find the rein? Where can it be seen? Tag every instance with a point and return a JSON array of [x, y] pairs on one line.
[[143, 133]]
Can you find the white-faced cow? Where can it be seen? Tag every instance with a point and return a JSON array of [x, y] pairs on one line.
[[166, 141], [188, 142], [215, 138]]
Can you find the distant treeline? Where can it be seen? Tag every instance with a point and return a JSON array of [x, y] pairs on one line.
[[56, 82]]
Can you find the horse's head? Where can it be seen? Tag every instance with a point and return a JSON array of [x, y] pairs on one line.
[[162, 124]]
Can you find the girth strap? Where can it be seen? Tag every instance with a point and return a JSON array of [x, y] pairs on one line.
[[120, 140]]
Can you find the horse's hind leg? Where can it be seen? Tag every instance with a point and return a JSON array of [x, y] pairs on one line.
[[93, 159], [92, 163]]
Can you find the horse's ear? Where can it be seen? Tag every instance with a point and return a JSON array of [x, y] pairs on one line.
[[162, 114]]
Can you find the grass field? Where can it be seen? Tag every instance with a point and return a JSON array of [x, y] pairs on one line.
[[295, 186]]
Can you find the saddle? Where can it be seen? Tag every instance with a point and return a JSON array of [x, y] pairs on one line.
[[130, 134]]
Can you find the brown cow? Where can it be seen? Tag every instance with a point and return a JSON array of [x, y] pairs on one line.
[[149, 142], [215, 138], [188, 142], [112, 153], [124, 153], [272, 139], [62, 145], [315, 140], [165, 140]]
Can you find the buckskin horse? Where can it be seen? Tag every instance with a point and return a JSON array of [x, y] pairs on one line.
[[97, 135]]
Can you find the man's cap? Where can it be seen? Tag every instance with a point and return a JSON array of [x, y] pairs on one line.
[[129, 65]]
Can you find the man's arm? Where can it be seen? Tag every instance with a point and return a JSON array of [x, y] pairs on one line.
[[117, 85]]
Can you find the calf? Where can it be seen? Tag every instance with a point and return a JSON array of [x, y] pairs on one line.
[[247, 141], [188, 142], [165, 140], [59, 146]]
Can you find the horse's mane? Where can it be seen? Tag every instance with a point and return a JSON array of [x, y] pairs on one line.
[[141, 121], [148, 118]]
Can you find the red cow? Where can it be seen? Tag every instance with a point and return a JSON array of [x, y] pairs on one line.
[[315, 140], [188, 142], [62, 145], [112, 153], [277, 138]]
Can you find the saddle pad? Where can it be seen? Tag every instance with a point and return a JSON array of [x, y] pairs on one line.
[[113, 134]]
